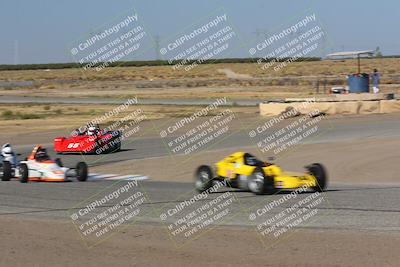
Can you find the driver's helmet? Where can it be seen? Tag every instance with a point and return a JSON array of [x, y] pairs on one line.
[[41, 155], [6, 150], [250, 160], [92, 130]]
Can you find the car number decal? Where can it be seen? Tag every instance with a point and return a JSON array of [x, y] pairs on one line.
[[73, 145]]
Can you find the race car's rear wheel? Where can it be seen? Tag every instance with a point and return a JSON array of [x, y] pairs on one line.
[[259, 183], [234, 182], [7, 171], [58, 162], [81, 171], [24, 173], [318, 171], [204, 178]]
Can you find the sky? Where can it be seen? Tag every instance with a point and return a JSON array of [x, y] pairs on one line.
[[44, 31]]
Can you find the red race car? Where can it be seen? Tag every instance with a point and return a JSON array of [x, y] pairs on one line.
[[92, 141]]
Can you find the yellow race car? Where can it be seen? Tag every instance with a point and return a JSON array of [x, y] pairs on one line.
[[243, 170]]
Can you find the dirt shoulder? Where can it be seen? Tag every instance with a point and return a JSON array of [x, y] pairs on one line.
[[56, 243]]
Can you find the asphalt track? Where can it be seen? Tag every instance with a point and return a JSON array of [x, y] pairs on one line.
[[345, 206], [149, 144]]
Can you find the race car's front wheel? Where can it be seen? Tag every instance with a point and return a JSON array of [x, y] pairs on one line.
[[117, 147], [318, 171], [24, 173], [81, 171], [259, 183], [204, 178], [7, 171]]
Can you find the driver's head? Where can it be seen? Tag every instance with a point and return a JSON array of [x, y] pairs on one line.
[[41, 155], [6, 145], [6, 150], [92, 130], [251, 160]]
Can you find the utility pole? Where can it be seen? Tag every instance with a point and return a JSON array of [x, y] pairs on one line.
[[157, 40], [260, 32], [16, 52]]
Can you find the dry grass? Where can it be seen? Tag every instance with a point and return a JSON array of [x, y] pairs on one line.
[[206, 71], [204, 81], [41, 118]]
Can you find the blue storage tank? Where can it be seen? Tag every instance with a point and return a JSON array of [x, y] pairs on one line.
[[358, 83]]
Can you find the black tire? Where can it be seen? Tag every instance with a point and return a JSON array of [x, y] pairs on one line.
[[118, 147], [7, 171], [233, 183], [259, 183], [203, 178], [95, 149], [318, 171], [113, 149], [23, 172], [58, 162], [81, 171], [106, 149]]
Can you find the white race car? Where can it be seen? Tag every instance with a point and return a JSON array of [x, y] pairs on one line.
[[39, 167]]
